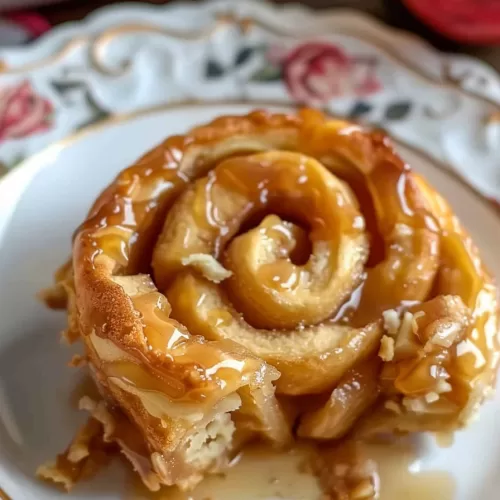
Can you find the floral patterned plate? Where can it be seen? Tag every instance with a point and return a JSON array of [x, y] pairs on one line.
[[129, 57]]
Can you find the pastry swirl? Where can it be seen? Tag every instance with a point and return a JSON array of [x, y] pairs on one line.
[[273, 261]]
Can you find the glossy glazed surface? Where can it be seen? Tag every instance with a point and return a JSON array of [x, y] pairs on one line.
[[272, 223]]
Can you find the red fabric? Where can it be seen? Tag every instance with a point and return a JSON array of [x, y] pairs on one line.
[[32, 22], [468, 21]]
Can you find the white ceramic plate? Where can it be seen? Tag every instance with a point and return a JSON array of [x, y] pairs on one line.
[[41, 203]]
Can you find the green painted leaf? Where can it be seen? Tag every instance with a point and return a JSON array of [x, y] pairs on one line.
[[101, 115], [267, 74], [4, 167], [359, 109], [98, 113], [244, 55], [397, 110], [213, 69], [64, 87]]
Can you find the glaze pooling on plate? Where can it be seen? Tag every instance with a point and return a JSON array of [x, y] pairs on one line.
[[270, 476], [264, 237]]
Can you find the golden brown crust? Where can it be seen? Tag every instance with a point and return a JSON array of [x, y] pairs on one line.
[[350, 239], [83, 458]]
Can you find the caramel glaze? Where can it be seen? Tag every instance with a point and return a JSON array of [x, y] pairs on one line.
[[351, 471], [342, 188], [296, 187], [378, 470]]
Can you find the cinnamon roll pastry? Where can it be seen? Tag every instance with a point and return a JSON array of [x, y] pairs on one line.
[[270, 275]]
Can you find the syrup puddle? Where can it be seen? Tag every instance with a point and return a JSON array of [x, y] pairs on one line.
[[259, 474], [263, 474], [401, 477]]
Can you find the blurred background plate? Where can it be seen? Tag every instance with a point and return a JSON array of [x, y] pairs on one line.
[[127, 57]]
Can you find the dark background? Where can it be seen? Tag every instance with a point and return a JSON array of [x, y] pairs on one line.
[[390, 11]]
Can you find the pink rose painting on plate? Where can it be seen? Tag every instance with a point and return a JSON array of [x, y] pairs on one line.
[[316, 72], [23, 112]]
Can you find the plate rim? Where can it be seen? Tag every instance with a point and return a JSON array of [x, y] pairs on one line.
[[113, 120], [438, 71], [322, 16]]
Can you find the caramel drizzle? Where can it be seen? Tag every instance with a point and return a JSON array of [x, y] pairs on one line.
[[124, 221]]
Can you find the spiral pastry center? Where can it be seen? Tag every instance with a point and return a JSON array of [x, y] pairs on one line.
[[264, 284]]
